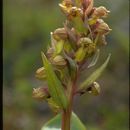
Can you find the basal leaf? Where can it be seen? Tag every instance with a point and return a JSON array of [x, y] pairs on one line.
[[55, 87], [55, 123], [94, 75]]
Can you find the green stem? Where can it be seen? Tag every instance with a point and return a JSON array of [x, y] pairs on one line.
[[66, 117], [66, 114]]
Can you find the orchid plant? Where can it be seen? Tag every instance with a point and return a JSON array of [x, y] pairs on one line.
[[74, 48]]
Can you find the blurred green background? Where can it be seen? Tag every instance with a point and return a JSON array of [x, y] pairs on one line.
[[26, 27]]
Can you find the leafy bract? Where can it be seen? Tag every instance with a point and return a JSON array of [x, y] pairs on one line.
[[94, 75], [55, 87], [55, 123]]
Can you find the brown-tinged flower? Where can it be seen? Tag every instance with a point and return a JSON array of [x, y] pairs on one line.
[[94, 89], [84, 41], [59, 61], [100, 12], [71, 12], [41, 93], [74, 12], [101, 27], [59, 34], [40, 73], [88, 45]]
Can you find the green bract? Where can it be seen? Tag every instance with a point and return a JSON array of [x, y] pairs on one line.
[[55, 87], [94, 75]]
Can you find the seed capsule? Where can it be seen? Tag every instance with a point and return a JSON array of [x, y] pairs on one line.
[[40, 73]]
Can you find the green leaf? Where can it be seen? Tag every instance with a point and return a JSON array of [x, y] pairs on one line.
[[55, 87], [95, 59], [55, 123], [94, 75]]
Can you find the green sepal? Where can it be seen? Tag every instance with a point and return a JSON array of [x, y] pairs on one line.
[[80, 54], [59, 46]]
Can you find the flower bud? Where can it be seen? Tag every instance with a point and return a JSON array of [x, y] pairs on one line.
[[40, 73], [59, 61], [102, 27], [100, 12], [59, 34], [41, 93]]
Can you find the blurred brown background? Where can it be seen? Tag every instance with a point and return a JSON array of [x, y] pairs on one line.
[[26, 27]]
